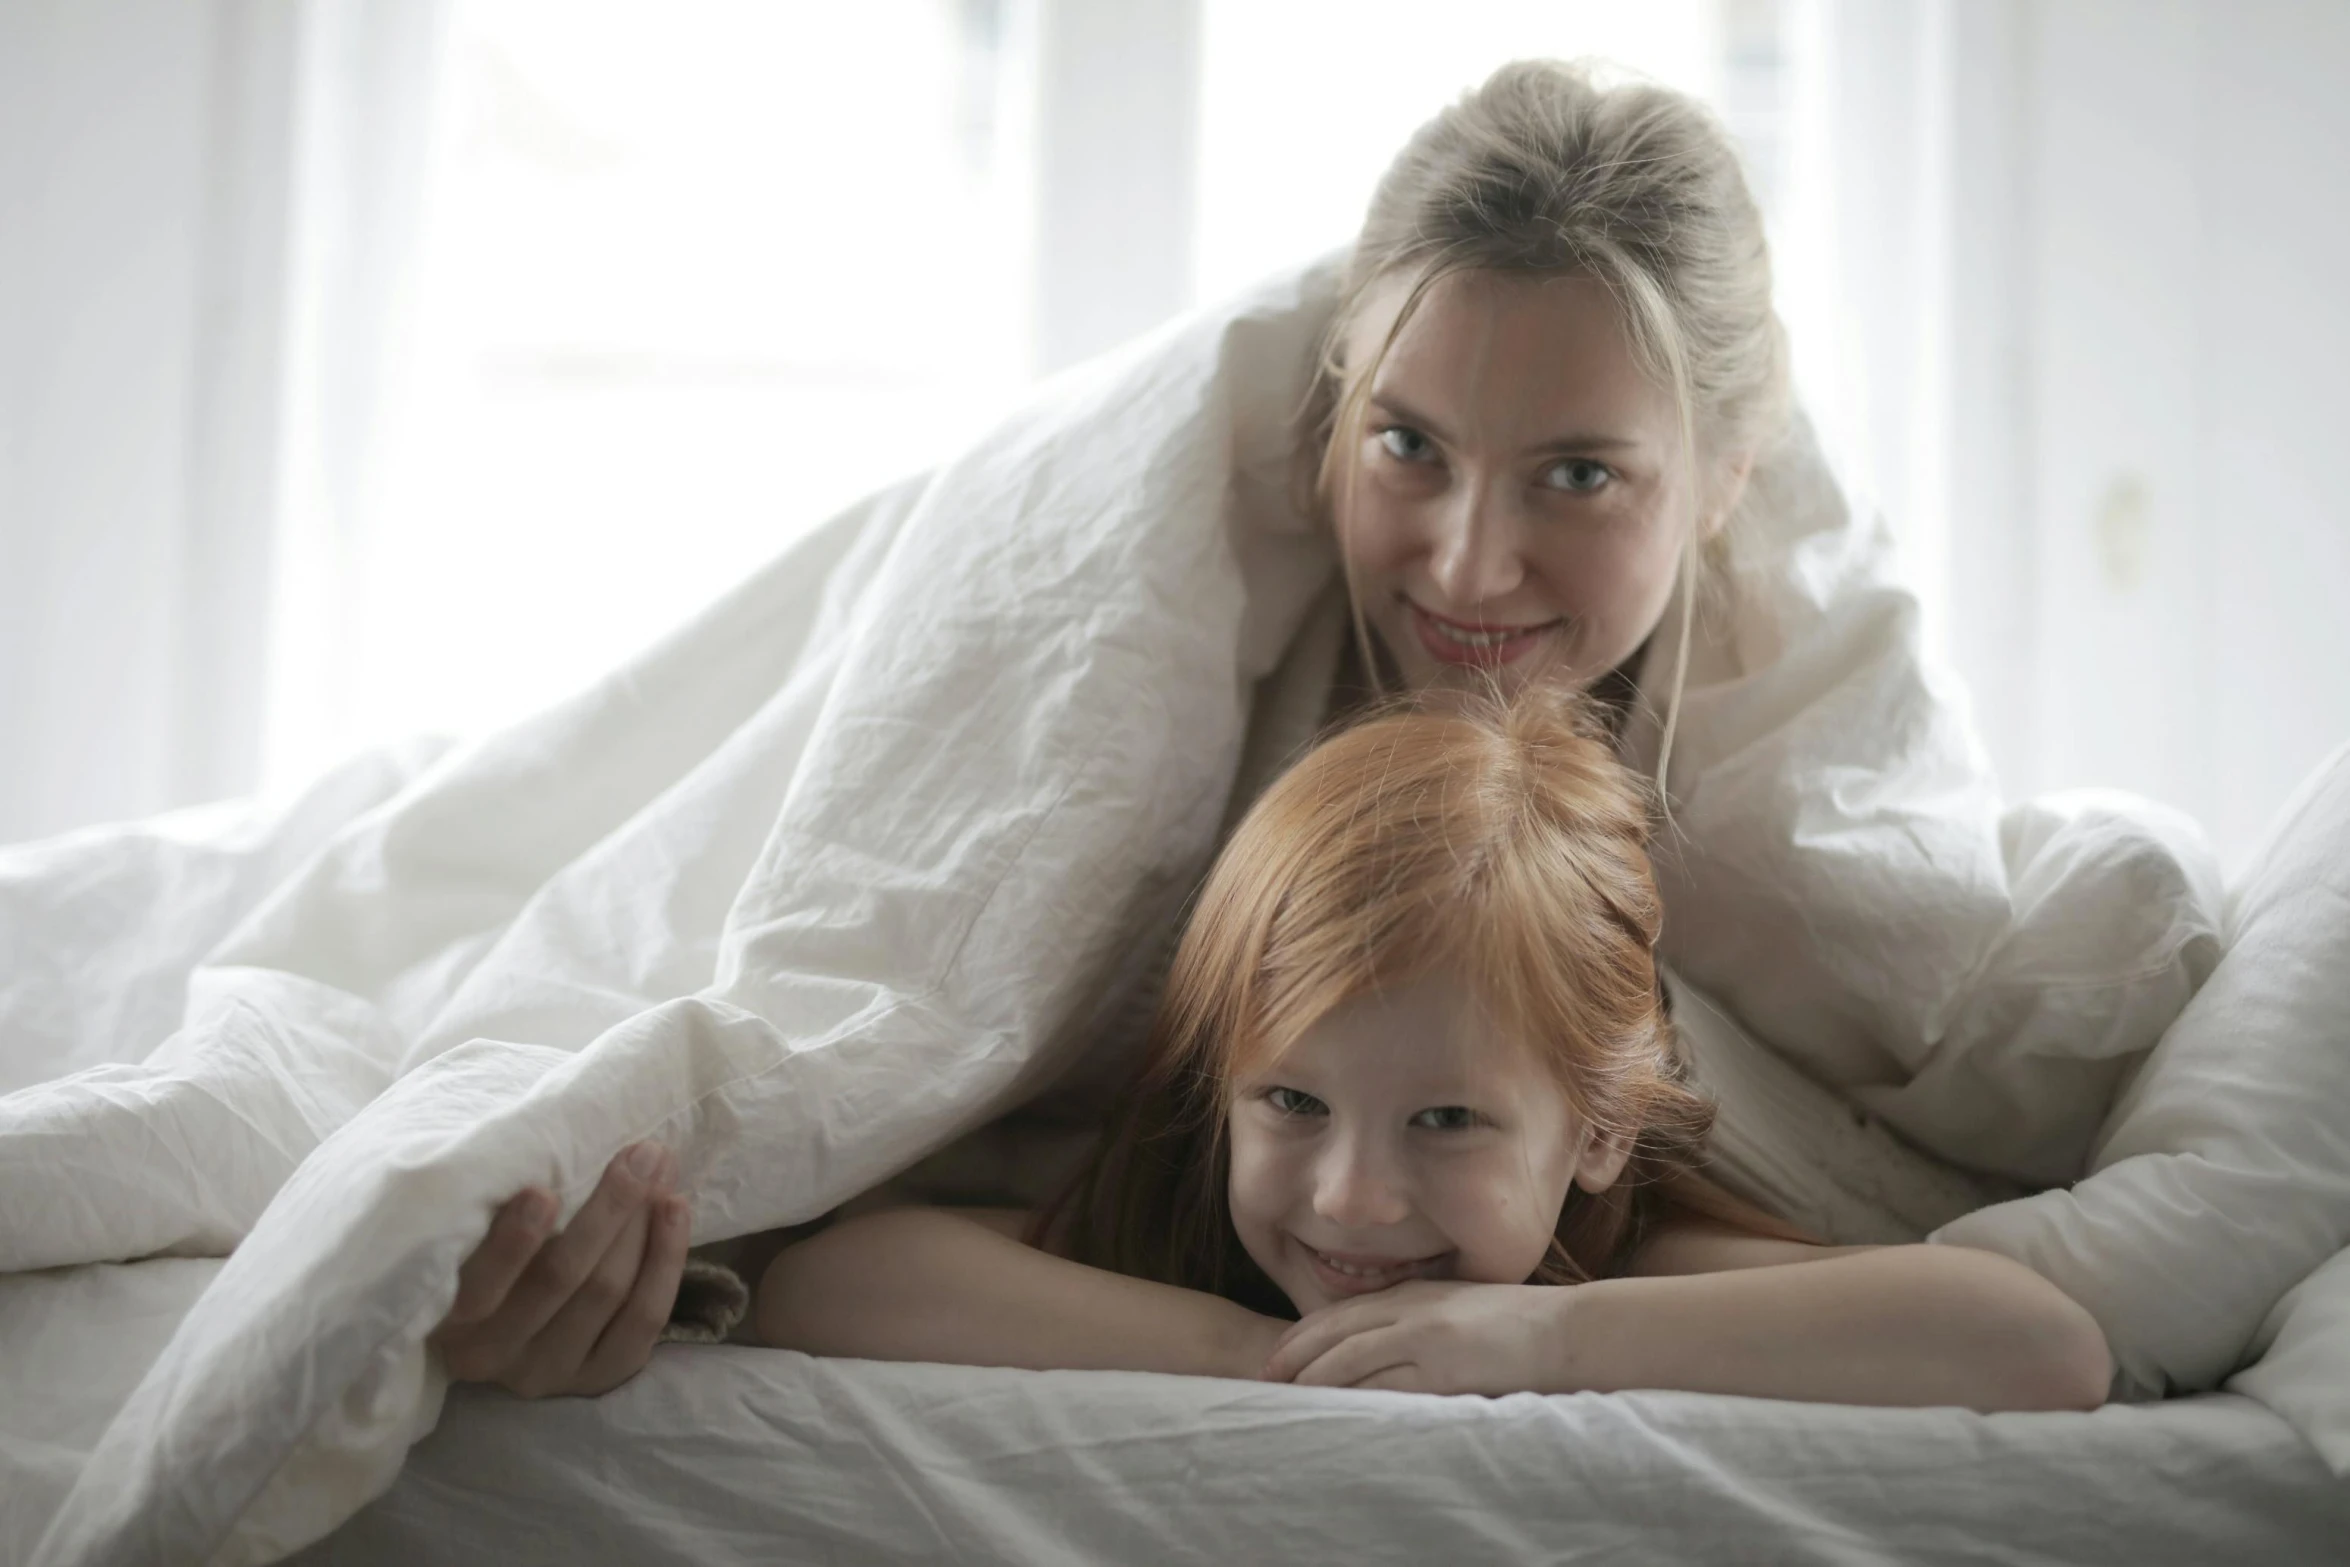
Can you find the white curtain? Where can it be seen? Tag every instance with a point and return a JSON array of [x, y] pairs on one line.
[[206, 206], [1862, 245]]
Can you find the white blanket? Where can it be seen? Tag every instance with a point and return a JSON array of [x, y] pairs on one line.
[[875, 848]]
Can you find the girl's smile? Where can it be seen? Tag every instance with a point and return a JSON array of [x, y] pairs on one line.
[[1342, 1273]]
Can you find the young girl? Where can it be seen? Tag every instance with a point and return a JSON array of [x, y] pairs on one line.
[[1411, 1074]]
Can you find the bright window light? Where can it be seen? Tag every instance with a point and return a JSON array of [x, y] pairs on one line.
[[693, 277]]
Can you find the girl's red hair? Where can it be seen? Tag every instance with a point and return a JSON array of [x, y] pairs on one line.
[[1499, 842]]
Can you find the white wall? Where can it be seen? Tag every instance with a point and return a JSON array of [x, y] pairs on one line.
[[2275, 368], [2187, 332], [2066, 277], [1116, 131]]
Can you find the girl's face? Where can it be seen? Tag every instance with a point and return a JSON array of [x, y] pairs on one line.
[[1402, 1137], [1518, 496]]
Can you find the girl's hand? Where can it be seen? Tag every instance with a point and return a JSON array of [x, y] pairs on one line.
[[578, 1312], [1429, 1336]]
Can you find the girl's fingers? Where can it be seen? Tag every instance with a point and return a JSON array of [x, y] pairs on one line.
[[629, 1338], [1405, 1378], [515, 1235], [564, 1263], [1300, 1347], [1313, 1336], [550, 1363], [1349, 1363]]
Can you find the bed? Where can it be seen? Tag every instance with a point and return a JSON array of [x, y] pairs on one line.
[[884, 844], [720, 1454]]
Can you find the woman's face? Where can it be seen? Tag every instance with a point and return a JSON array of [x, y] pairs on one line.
[[1517, 498], [1402, 1137]]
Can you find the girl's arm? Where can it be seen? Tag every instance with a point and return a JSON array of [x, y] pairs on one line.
[[1712, 1310], [956, 1285]]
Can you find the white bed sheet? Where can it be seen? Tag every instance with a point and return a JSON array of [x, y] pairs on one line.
[[724, 1455], [727, 1455]]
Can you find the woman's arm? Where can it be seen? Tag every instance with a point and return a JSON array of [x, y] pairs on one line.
[[938, 1284], [1713, 1311]]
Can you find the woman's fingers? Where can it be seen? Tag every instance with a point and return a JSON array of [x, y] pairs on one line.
[[564, 1263], [488, 1348], [514, 1238], [628, 1339], [550, 1363]]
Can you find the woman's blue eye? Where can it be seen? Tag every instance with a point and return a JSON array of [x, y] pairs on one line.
[[1290, 1102], [1405, 444], [1452, 1118], [1580, 475]]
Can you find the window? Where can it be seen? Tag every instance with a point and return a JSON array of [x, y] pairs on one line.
[[690, 278]]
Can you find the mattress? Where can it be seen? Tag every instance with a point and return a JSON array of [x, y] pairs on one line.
[[722, 1455]]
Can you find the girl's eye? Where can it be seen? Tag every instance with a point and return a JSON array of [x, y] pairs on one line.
[[1451, 1118], [1577, 476], [1290, 1102], [1405, 444]]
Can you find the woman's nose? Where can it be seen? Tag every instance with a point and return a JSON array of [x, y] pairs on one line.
[[1476, 556], [1355, 1189]]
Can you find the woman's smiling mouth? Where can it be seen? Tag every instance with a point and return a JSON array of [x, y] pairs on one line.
[[1464, 642]]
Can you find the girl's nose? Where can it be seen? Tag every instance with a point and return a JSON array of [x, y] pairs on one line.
[[1477, 554], [1354, 1189]]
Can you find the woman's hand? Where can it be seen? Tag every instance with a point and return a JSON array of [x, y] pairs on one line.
[[1428, 1336], [581, 1311]]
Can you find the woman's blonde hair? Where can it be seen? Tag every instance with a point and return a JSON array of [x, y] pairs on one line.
[[1546, 171], [1501, 844]]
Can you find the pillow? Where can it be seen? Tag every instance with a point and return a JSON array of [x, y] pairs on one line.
[[2303, 1369], [2221, 1177]]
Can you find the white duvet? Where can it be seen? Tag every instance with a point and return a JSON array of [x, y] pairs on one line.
[[883, 842]]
